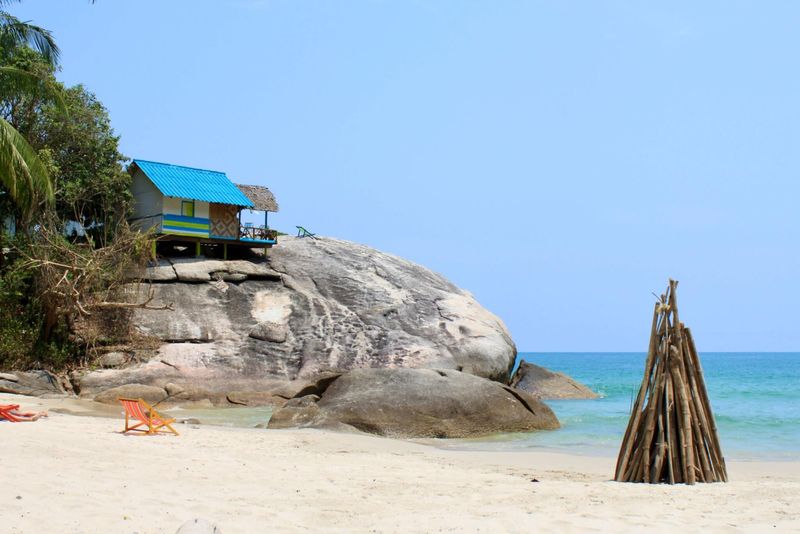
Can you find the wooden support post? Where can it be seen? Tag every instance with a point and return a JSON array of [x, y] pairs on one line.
[[155, 255], [197, 249], [225, 251]]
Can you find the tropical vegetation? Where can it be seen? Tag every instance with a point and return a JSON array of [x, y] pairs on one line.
[[64, 198], [23, 175]]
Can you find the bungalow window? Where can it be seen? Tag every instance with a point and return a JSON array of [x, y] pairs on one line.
[[187, 208]]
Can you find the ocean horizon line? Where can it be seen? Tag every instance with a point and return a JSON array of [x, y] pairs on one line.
[[645, 352]]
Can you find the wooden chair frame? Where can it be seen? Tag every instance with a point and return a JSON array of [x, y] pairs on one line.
[[148, 416]]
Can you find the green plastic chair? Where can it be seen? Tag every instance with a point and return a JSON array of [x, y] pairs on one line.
[[302, 232]]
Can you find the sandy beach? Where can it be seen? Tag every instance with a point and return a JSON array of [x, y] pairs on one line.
[[76, 474]]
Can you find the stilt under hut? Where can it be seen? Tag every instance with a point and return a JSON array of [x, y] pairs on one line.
[[671, 436]]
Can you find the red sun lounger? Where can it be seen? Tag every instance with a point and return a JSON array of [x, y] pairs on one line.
[[10, 412]]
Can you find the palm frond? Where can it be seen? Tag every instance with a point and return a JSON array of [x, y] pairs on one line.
[[22, 173], [38, 38], [31, 83]]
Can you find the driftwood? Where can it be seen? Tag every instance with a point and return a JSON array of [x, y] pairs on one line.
[[72, 281], [672, 435]]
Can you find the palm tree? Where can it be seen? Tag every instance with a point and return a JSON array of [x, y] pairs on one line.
[[14, 33], [22, 173]]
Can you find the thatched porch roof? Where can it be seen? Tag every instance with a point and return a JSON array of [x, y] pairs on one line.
[[261, 197]]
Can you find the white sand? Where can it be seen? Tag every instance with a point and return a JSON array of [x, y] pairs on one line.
[[71, 474]]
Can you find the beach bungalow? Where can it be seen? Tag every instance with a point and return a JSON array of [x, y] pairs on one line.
[[184, 205]]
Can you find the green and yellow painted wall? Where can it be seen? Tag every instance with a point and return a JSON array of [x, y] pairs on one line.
[[185, 217]]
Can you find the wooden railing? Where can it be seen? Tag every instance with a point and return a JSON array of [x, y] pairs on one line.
[[257, 233]]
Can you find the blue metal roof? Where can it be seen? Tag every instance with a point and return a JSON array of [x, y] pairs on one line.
[[195, 184]]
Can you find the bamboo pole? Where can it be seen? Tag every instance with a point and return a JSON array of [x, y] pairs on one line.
[[707, 406], [672, 459], [683, 416], [633, 424], [661, 451], [649, 425], [699, 418]]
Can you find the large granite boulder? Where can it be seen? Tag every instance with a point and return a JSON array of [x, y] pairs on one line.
[[412, 403], [150, 394], [546, 384], [315, 306]]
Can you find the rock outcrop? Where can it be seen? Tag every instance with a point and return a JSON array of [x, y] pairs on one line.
[[323, 305], [34, 383], [412, 403], [546, 384]]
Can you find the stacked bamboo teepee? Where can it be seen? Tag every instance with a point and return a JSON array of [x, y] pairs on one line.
[[671, 436]]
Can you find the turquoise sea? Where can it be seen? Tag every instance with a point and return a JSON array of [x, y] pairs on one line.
[[755, 397]]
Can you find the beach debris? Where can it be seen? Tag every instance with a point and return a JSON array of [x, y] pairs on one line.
[[198, 526], [672, 435]]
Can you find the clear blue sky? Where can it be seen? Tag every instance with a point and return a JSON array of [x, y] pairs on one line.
[[560, 160]]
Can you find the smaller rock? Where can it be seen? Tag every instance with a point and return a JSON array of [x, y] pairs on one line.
[[66, 384], [113, 359], [546, 384], [9, 377], [32, 383], [75, 380], [189, 395], [304, 401], [269, 331], [219, 284], [150, 394], [415, 403], [298, 412], [233, 277], [198, 526], [254, 398], [194, 270], [173, 389], [252, 269], [189, 421], [318, 384], [163, 272]]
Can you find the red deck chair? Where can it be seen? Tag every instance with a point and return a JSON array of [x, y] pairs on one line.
[[9, 413], [139, 410]]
